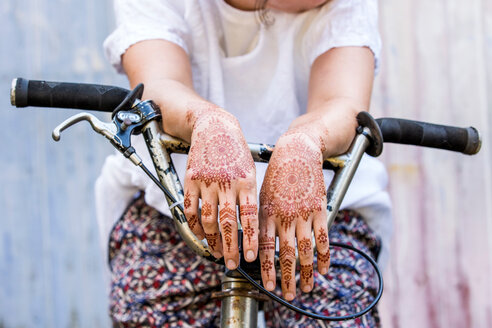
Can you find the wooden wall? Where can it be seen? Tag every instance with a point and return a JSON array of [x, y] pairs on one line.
[[436, 66]]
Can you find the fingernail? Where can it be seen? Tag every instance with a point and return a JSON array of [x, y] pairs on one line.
[[269, 285], [323, 271], [250, 255], [289, 296], [306, 289], [231, 265], [217, 255]]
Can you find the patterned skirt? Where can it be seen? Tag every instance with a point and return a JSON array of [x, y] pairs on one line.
[[157, 281]]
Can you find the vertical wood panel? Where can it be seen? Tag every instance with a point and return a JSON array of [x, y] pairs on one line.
[[51, 266], [440, 52]]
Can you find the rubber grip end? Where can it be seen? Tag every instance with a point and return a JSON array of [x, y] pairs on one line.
[[474, 141], [18, 92]]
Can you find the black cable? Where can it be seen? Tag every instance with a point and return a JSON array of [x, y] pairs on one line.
[[320, 316], [161, 187]]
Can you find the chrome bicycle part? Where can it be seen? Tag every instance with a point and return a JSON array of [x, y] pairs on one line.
[[106, 129]]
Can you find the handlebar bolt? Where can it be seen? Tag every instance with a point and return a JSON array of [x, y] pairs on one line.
[[126, 123]]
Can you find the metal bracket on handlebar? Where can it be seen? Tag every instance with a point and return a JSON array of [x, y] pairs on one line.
[[125, 124]]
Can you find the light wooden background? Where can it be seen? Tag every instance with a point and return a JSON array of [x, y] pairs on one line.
[[436, 66]]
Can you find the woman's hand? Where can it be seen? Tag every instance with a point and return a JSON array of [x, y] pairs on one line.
[[292, 204], [222, 173]]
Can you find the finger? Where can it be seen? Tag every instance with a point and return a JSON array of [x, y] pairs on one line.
[[305, 251], [322, 242], [287, 258], [228, 226], [190, 206], [211, 226], [267, 253], [248, 213]]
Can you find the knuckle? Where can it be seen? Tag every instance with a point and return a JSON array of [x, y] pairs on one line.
[[208, 221]]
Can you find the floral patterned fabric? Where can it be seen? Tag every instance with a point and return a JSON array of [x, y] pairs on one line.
[[157, 281]]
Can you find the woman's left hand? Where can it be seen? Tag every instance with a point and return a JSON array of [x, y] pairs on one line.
[[292, 204]]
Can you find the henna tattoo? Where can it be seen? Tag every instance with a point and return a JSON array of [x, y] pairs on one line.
[[306, 272], [219, 153], [248, 231], [266, 243], [267, 264], [206, 209], [287, 259], [304, 246], [324, 258], [187, 200], [192, 221], [212, 239], [293, 187], [227, 215], [322, 236], [248, 209]]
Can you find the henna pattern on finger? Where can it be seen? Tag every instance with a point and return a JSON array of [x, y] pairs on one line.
[[324, 258], [306, 273], [304, 246], [212, 239], [227, 215], [266, 243], [248, 231], [192, 221], [322, 236], [246, 210], [287, 259], [267, 265], [206, 209], [187, 200], [294, 186]]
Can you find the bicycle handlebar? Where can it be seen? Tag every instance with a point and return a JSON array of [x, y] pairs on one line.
[[106, 98], [66, 95], [401, 131]]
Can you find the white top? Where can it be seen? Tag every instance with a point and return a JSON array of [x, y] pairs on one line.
[[257, 72]]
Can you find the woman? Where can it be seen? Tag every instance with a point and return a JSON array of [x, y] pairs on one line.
[[297, 79]]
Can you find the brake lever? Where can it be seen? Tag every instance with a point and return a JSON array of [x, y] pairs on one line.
[[106, 129]]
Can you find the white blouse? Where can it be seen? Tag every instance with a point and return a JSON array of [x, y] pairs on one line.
[[258, 72]]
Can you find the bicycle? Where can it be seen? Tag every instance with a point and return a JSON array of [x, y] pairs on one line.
[[131, 116]]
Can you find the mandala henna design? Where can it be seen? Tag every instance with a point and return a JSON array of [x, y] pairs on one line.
[[304, 246], [287, 259], [324, 258], [294, 188], [227, 215], [322, 236], [219, 155], [187, 200], [192, 221], [212, 239], [306, 272], [206, 209], [266, 243]]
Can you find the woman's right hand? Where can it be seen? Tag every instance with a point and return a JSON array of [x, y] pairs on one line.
[[222, 173]]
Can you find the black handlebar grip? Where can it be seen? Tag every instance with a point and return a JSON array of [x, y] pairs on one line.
[[464, 140], [66, 95]]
